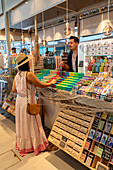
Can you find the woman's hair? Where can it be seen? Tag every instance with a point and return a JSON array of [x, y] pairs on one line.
[[24, 67]]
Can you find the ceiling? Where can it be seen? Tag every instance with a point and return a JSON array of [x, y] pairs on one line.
[[57, 13]]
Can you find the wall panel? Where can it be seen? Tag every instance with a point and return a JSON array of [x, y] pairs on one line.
[[2, 22], [32, 8], [9, 4], [95, 24], [1, 10], [57, 32]]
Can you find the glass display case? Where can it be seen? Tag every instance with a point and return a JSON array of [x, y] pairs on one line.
[[97, 56]]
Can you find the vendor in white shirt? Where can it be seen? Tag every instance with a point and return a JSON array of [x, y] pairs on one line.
[[72, 60]]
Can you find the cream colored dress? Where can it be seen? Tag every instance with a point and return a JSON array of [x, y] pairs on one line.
[[30, 135]]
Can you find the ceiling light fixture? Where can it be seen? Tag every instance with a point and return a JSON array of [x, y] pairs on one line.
[[108, 28], [26, 2], [1, 46], [67, 30], [22, 36], [43, 39]]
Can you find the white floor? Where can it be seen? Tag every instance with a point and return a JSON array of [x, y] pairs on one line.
[[55, 160]]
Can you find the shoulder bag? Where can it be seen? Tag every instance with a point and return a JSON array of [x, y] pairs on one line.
[[32, 108]]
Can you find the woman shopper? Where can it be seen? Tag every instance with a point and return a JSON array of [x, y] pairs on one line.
[[30, 135]]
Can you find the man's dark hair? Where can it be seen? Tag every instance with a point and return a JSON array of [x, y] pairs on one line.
[[13, 48], [24, 67], [75, 39]]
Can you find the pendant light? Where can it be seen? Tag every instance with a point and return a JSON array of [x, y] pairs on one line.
[[67, 30], [43, 39], [22, 36], [108, 28], [53, 36], [1, 45]]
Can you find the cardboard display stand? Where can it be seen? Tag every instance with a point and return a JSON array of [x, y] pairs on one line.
[[88, 139]]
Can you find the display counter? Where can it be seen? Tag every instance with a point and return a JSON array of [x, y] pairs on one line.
[[80, 122]]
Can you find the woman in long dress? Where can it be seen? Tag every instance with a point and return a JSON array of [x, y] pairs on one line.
[[30, 135]]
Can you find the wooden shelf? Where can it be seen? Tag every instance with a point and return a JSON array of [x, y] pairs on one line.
[[93, 141], [96, 159], [111, 163], [8, 101], [9, 112]]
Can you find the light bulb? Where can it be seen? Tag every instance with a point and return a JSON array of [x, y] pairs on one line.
[[43, 41], [67, 30], [22, 39], [107, 29], [1, 47]]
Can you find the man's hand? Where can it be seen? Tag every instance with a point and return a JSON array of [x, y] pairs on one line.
[[62, 64]]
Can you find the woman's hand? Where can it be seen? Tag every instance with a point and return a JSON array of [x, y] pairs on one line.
[[53, 81]]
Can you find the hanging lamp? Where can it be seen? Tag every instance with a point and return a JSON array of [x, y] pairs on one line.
[[108, 28], [22, 36], [43, 39], [53, 36], [67, 30], [1, 45]]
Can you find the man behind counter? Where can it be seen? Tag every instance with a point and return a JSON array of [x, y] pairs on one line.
[[72, 60]]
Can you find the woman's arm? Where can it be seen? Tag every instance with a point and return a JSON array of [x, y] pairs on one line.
[[34, 80], [14, 87]]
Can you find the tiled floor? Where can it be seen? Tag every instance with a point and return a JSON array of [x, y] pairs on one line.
[[55, 160]]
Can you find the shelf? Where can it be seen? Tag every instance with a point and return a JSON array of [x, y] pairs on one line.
[[9, 112], [8, 101], [111, 163], [86, 165], [5, 111], [109, 120], [90, 151]]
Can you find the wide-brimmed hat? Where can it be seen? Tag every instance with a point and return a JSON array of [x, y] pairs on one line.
[[22, 58]]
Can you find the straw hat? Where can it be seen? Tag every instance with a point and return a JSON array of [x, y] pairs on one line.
[[19, 58]]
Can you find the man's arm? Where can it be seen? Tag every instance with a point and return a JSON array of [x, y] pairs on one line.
[[66, 66]]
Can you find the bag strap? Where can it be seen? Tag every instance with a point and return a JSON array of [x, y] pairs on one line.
[[27, 87]]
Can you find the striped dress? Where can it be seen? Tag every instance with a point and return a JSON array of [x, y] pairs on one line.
[[30, 135]]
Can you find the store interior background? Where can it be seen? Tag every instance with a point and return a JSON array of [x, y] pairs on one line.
[[54, 25], [86, 20]]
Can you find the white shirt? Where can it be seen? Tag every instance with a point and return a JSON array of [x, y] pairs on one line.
[[73, 63]]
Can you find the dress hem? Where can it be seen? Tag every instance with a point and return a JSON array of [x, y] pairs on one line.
[[40, 148]]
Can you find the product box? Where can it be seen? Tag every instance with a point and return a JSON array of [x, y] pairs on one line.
[[111, 130], [104, 139], [9, 108], [108, 127], [101, 124], [89, 160], [98, 136], [95, 123], [104, 115], [106, 154], [98, 114], [110, 142], [99, 151], [110, 117], [92, 133], [87, 144], [83, 156], [4, 105], [95, 148]]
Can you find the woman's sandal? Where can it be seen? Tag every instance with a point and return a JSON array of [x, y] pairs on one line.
[[51, 147]]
